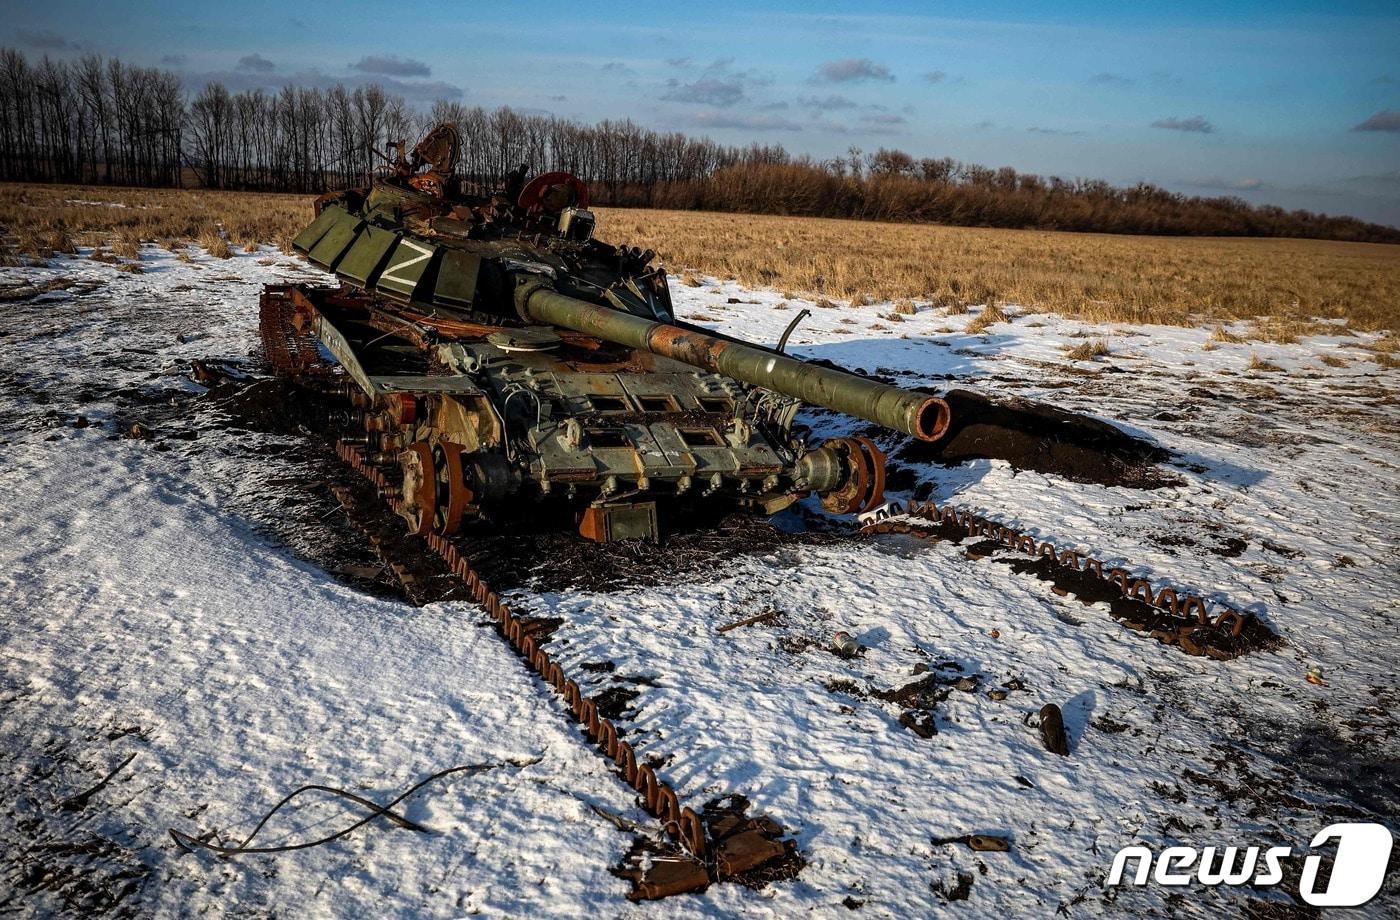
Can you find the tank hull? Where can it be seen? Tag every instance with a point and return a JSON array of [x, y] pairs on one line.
[[475, 422]]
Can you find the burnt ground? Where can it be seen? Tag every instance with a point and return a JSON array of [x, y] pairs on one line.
[[556, 560]]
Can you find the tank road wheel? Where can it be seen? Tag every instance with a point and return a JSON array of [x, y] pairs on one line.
[[876, 461], [864, 487], [453, 493], [419, 506]]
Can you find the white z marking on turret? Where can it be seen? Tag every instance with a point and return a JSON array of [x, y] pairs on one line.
[[393, 273]]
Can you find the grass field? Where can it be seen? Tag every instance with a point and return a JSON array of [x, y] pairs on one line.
[[1283, 284]]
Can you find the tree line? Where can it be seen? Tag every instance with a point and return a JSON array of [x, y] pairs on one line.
[[96, 121]]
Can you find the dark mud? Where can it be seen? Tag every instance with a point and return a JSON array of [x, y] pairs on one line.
[[1290, 779], [956, 890], [919, 699], [1035, 436], [558, 559], [614, 701]]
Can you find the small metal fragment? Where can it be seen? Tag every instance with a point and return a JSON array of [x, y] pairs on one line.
[[919, 721], [1052, 730], [982, 843], [988, 843], [669, 875], [746, 850]]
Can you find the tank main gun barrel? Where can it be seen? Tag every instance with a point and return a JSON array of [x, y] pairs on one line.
[[916, 414]]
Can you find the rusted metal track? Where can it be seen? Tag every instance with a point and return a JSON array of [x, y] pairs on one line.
[[288, 349], [736, 851], [682, 823], [1169, 614]]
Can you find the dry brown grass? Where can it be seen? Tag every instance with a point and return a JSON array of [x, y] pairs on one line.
[[170, 215], [1096, 277], [1257, 363], [43, 242], [126, 245], [1088, 350], [991, 315], [1224, 336], [1287, 331], [215, 245], [1389, 343]]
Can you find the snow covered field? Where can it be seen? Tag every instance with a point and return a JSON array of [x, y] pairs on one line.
[[153, 608]]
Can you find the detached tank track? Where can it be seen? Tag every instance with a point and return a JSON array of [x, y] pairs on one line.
[[713, 854], [1170, 615]]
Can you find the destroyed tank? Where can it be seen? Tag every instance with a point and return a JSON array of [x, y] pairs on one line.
[[500, 362]]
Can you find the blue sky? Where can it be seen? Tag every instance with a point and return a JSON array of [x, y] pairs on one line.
[[1263, 100]]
